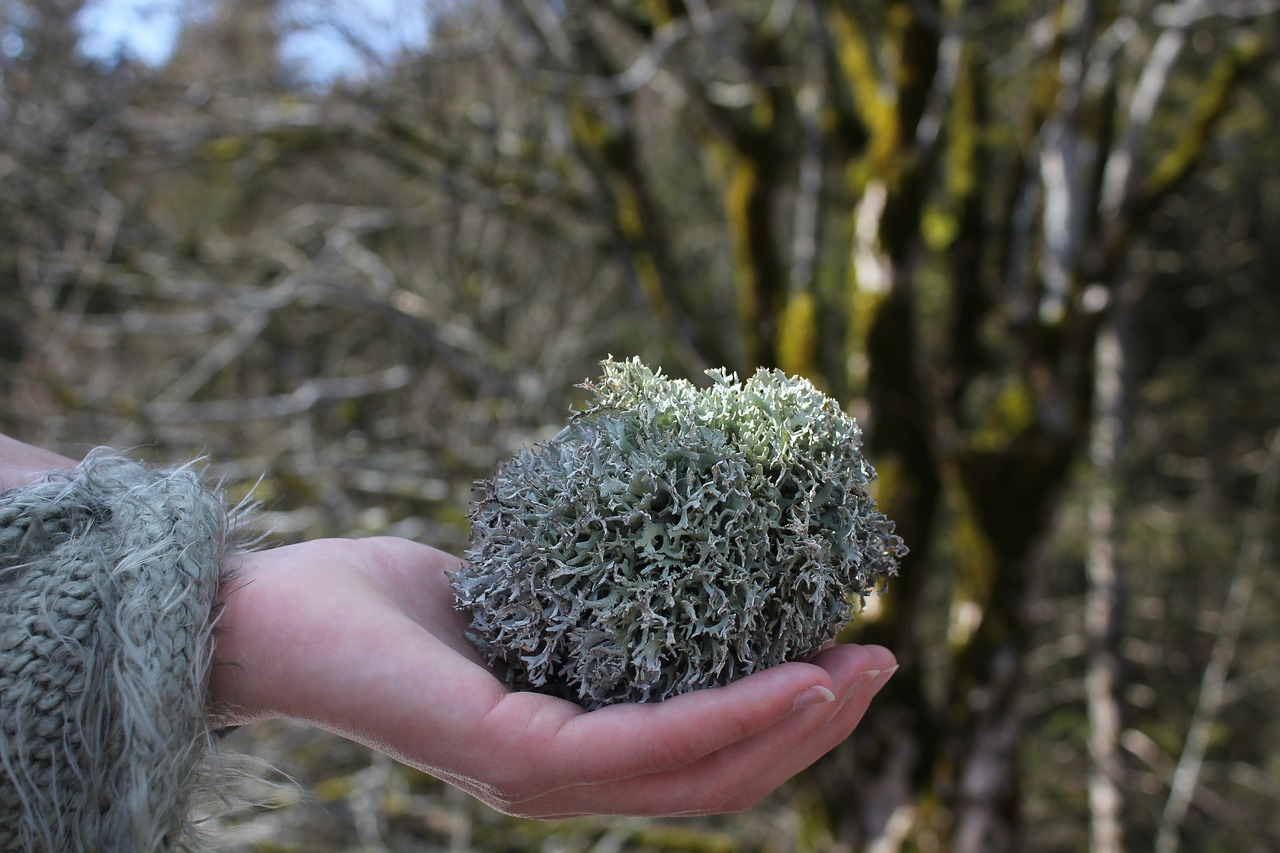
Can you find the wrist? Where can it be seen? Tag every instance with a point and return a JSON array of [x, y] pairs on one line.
[[22, 463], [234, 694]]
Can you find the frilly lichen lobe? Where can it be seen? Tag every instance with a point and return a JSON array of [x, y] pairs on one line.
[[672, 538]]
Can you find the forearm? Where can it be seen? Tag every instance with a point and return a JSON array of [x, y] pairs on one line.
[[22, 463]]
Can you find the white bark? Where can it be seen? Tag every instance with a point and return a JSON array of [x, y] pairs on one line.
[[1104, 599]]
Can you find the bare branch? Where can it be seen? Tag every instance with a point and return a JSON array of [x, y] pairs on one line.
[[645, 66], [1184, 14], [1249, 559], [1117, 176], [950, 47], [1141, 746], [547, 29], [303, 398]]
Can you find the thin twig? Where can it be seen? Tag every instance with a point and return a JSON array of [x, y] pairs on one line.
[[302, 399], [1117, 181], [1249, 559]]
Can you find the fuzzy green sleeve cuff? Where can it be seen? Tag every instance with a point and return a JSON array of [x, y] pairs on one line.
[[108, 576]]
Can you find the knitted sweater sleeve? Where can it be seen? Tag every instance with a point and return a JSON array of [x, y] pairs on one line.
[[108, 575]]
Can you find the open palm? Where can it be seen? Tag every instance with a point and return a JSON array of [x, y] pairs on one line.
[[360, 637]]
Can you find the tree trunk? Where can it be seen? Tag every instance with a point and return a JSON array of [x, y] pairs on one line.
[[1104, 606]]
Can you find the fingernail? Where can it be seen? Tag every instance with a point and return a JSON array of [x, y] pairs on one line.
[[883, 678], [860, 683], [815, 695]]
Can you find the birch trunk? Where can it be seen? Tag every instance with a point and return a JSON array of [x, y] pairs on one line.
[[1104, 605]]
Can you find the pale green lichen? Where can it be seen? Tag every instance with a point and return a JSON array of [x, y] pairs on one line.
[[672, 538]]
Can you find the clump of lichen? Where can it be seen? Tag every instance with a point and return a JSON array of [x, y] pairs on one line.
[[672, 538]]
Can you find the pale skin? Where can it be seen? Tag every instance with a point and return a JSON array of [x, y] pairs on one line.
[[360, 638]]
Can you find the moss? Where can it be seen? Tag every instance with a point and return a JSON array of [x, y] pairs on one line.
[[798, 336], [875, 109], [743, 184]]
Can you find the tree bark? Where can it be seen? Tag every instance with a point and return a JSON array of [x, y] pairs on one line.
[[1104, 605]]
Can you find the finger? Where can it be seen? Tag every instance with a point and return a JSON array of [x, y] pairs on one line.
[[627, 740], [761, 760], [846, 719], [548, 745]]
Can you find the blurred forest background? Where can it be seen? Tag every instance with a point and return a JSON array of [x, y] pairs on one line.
[[1033, 245]]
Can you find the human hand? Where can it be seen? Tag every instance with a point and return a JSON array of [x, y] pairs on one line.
[[22, 463], [360, 637]]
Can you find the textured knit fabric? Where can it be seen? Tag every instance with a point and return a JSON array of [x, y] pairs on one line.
[[107, 580]]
